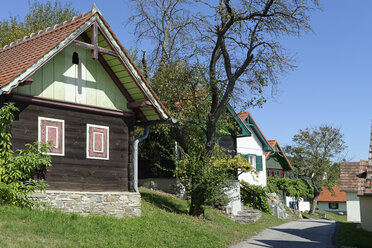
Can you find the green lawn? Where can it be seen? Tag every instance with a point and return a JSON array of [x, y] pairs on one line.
[[350, 234], [163, 223]]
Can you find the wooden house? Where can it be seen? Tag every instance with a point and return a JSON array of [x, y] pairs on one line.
[[277, 163], [76, 86]]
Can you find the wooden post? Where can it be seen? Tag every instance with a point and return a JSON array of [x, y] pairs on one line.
[[95, 41]]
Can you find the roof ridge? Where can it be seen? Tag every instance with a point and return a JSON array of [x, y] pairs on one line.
[[46, 30]]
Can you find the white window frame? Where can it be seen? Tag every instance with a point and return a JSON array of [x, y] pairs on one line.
[[252, 160], [40, 118], [107, 142]]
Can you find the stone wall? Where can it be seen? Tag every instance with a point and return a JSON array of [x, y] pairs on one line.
[[117, 204], [277, 206]]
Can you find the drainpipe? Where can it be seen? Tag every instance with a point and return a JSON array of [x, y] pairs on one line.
[[135, 149]]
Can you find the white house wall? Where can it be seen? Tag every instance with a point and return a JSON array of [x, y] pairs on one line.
[[324, 206], [252, 145], [353, 207], [302, 205], [366, 212]]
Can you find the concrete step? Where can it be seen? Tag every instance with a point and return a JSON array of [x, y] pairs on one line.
[[247, 216]]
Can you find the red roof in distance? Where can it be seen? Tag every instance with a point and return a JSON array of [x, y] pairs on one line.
[[326, 195]]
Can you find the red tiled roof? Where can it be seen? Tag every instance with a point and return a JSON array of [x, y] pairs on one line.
[[348, 177], [272, 144], [243, 115], [20, 55], [326, 195]]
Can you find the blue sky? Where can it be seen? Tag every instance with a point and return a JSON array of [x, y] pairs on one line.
[[331, 85]]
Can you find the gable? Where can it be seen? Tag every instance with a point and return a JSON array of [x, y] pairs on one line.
[[85, 83], [91, 32], [243, 130], [247, 119], [277, 159]]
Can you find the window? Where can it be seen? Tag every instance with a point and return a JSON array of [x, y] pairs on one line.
[[97, 142], [333, 205], [252, 160], [52, 130], [255, 161]]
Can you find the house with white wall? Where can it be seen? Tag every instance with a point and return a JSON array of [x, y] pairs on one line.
[[365, 192], [332, 201], [253, 148], [349, 184]]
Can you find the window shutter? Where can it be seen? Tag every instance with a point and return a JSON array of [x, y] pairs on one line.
[[246, 157], [258, 163]]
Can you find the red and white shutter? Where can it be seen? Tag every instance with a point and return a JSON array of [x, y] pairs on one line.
[[97, 142], [52, 130]]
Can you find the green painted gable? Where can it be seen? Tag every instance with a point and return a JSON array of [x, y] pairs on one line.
[[86, 83], [252, 124], [277, 160], [243, 130]]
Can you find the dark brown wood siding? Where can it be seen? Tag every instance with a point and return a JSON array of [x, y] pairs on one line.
[[74, 171]]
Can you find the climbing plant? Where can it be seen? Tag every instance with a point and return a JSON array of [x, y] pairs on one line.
[[291, 186], [18, 169], [255, 196]]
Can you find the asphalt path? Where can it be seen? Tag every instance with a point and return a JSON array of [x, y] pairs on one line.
[[305, 233]]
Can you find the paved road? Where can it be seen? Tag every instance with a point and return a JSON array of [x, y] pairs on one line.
[[306, 233]]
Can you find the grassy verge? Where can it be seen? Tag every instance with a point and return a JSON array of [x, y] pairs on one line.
[[350, 234], [163, 223]]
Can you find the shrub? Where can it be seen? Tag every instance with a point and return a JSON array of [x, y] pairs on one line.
[[17, 170], [255, 196]]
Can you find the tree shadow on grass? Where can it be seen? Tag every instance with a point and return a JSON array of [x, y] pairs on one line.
[[352, 235], [163, 202]]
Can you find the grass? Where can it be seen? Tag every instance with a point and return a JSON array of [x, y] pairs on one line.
[[164, 223], [320, 214], [350, 234]]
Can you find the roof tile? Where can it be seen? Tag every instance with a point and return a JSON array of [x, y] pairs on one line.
[[20, 55], [327, 196]]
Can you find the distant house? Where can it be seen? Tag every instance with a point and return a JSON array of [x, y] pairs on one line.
[[332, 202], [349, 183], [277, 163], [365, 192], [253, 148], [77, 87]]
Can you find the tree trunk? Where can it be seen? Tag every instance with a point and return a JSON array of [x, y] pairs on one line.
[[196, 207], [314, 202], [211, 137]]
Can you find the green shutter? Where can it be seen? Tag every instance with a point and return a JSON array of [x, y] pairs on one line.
[[246, 156], [258, 163]]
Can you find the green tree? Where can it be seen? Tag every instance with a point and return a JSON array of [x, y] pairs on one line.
[[40, 16], [235, 44], [314, 154], [17, 169], [291, 186]]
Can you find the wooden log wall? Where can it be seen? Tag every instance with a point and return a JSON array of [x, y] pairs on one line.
[[74, 171]]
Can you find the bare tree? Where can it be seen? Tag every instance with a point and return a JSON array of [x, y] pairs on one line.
[[237, 42], [167, 23]]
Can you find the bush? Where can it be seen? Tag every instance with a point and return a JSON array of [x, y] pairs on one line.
[[255, 197], [291, 186], [17, 173]]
